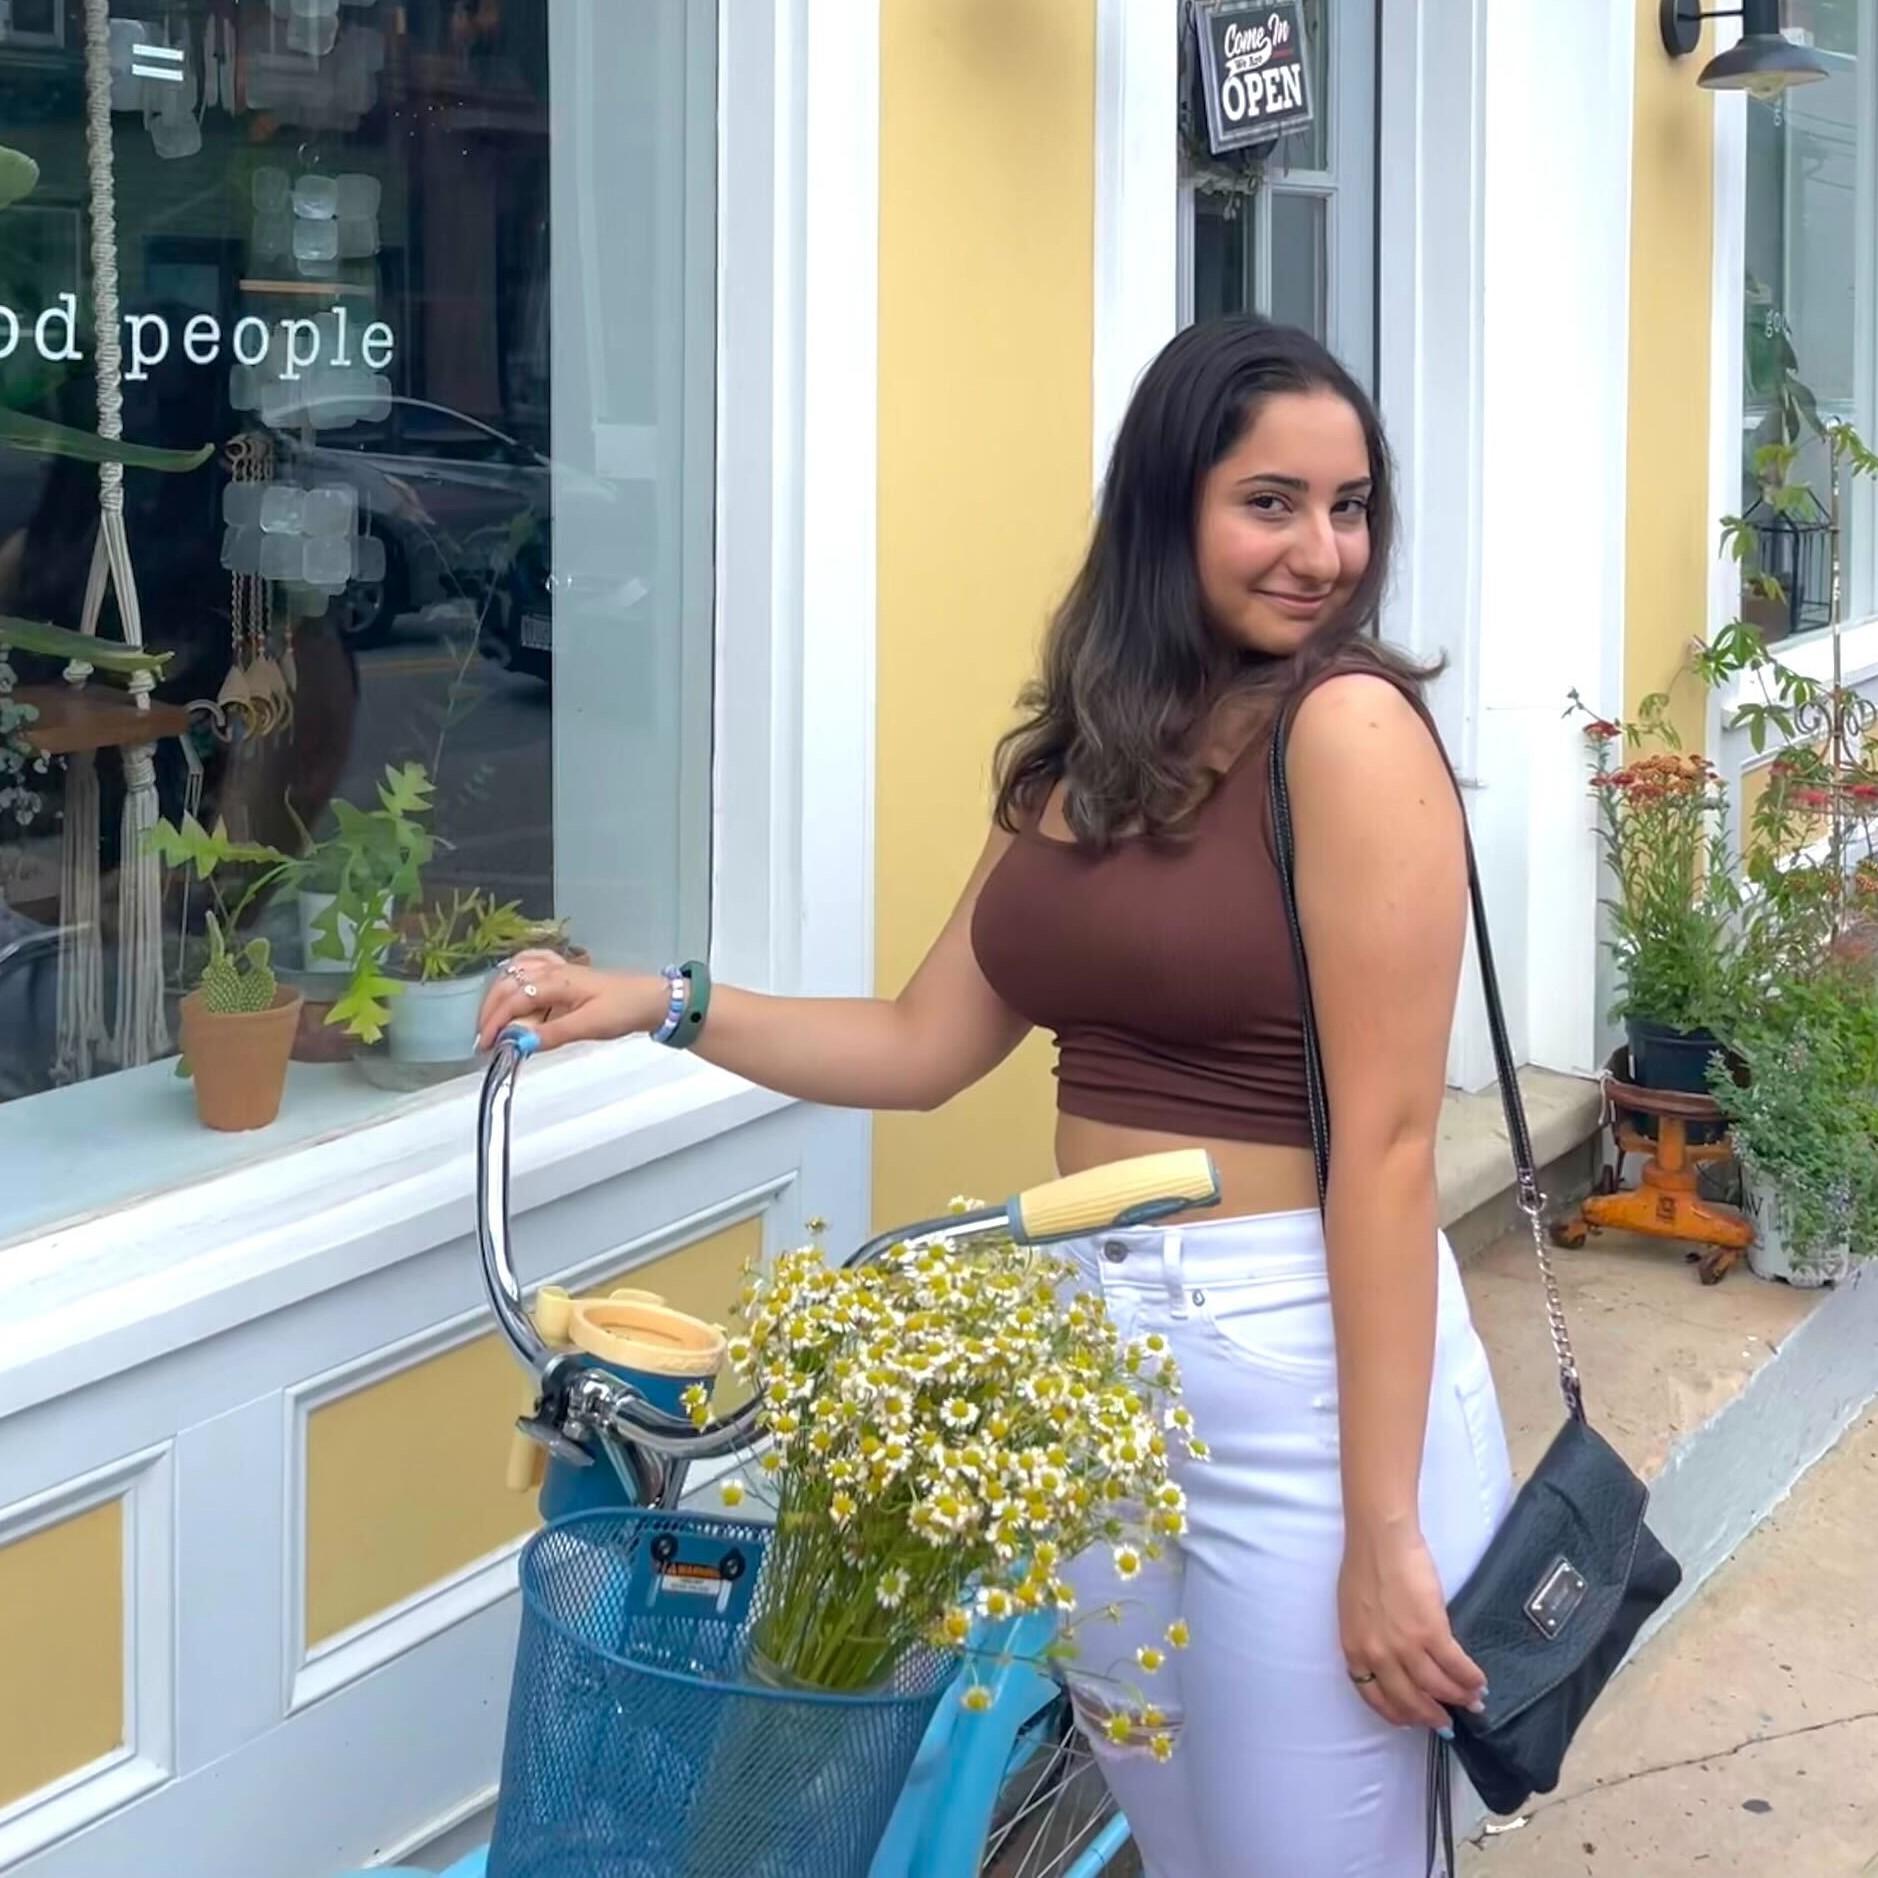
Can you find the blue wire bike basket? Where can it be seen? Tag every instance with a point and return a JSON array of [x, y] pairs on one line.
[[641, 1743]]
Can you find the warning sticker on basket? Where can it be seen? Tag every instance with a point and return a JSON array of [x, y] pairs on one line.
[[680, 1579], [698, 1567]]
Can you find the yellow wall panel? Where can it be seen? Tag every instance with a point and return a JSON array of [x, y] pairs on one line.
[[1669, 546], [405, 1478], [986, 266], [61, 1649]]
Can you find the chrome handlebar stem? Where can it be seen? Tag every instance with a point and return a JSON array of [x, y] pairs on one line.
[[492, 1200]]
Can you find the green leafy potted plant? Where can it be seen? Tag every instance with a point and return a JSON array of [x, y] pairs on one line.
[[1804, 1122], [443, 966], [354, 884], [238, 1023], [314, 905]]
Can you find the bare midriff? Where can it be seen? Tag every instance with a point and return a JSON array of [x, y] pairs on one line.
[[1254, 1176]]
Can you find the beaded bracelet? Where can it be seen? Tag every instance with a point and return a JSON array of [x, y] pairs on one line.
[[689, 998], [677, 996]]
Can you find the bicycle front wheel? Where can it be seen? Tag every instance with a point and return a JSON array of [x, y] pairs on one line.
[[1054, 1817]]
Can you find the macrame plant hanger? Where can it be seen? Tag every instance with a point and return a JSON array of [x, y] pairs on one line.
[[141, 1033]]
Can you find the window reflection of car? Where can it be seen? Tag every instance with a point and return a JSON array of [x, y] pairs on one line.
[[29, 1003], [446, 493], [518, 624]]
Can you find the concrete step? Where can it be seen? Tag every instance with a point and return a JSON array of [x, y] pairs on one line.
[[1722, 1397], [1743, 1740], [1474, 1160]]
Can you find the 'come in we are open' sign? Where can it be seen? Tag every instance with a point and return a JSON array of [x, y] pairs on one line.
[[1254, 69]]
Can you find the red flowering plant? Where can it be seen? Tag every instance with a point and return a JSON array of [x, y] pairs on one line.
[[1674, 914]]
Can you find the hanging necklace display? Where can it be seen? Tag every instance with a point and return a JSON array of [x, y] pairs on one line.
[[256, 698]]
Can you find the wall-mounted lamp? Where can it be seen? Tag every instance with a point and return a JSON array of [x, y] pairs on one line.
[[1764, 63]]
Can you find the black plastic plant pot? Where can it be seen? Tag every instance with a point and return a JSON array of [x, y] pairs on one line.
[[1662, 1057]]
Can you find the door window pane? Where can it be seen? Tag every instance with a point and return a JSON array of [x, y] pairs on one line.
[[1224, 271], [1300, 260], [456, 400]]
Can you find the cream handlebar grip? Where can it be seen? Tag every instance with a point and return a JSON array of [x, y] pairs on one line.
[[1125, 1193]]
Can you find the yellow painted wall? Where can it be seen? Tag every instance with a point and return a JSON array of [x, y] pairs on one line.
[[1669, 547], [388, 1513], [986, 256], [61, 1649]]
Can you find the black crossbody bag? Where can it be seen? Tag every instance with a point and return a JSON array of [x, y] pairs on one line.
[[1573, 1572]]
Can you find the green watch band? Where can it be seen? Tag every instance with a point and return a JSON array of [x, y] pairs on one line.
[[697, 1006]]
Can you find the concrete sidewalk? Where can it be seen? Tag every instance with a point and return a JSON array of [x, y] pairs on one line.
[[1744, 1738]]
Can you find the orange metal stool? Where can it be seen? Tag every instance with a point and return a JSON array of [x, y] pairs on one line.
[[1667, 1203]]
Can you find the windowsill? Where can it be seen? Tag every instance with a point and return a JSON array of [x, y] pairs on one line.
[[333, 1201], [99, 1146], [1810, 655]]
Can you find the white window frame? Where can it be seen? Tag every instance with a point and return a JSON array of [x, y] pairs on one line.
[[792, 802]]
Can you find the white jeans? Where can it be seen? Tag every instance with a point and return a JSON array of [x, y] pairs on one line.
[[1280, 1769]]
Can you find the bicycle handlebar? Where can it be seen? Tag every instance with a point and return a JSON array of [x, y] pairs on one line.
[[1122, 1194], [513, 1048]]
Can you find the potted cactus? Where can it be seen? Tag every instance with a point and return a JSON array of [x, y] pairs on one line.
[[238, 1028], [238, 1024]]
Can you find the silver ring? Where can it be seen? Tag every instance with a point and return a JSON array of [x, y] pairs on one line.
[[511, 970], [529, 990]]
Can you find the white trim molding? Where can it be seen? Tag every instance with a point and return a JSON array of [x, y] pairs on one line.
[[1431, 363], [1430, 220], [1727, 277], [1553, 521], [1137, 202]]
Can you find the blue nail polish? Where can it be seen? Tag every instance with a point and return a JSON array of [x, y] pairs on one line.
[[1446, 1734]]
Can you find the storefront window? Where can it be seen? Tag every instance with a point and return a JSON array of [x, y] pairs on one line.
[[1807, 319], [428, 286]]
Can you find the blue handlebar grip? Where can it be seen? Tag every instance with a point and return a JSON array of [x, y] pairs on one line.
[[526, 1041]]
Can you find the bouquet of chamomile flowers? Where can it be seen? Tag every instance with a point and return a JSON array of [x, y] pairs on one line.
[[948, 1427]]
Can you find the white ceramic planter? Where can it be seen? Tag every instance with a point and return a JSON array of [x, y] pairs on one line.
[[436, 1023], [312, 908], [1768, 1256]]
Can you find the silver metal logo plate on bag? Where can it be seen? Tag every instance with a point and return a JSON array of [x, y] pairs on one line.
[[1560, 1593]]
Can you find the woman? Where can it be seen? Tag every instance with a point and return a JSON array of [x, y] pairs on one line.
[[1128, 899]]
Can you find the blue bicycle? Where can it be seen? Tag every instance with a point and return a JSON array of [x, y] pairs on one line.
[[611, 1679]]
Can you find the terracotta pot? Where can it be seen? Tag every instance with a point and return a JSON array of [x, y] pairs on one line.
[[238, 1059]]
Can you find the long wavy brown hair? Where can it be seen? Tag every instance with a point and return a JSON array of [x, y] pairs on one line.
[[1131, 668]]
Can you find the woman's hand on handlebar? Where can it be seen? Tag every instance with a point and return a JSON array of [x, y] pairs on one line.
[[565, 1003]]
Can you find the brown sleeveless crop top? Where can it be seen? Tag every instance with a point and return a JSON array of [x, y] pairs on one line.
[[1163, 967]]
